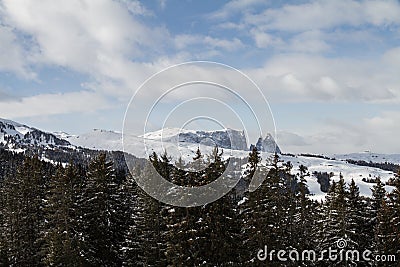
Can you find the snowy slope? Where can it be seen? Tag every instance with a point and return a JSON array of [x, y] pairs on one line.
[[113, 141], [97, 139], [349, 171], [370, 156], [17, 137]]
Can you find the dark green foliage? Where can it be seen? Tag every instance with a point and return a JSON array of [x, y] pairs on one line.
[[63, 240], [96, 215], [23, 210], [103, 215]]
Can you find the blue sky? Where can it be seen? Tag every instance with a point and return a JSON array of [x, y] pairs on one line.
[[330, 69]]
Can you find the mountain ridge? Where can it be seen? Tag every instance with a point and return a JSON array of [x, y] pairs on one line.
[[18, 137]]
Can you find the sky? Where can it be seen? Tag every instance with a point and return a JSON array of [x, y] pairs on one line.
[[329, 69]]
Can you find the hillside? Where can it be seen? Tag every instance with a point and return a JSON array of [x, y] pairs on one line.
[[57, 146]]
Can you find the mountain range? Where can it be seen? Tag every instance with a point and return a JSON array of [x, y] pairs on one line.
[[17, 137]]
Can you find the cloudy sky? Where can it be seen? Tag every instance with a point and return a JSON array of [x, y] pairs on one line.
[[329, 69]]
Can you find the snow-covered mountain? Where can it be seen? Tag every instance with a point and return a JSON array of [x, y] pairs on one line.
[[97, 139], [267, 144], [172, 139], [230, 138], [16, 136]]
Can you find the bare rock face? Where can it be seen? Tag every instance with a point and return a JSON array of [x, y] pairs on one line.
[[267, 144], [230, 139]]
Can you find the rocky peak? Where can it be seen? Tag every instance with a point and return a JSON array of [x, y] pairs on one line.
[[267, 144]]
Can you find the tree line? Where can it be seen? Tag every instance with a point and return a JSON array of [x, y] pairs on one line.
[[93, 215]]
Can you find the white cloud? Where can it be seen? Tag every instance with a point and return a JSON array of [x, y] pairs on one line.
[[264, 40], [375, 133], [392, 57], [136, 8], [289, 139], [311, 27], [309, 42], [187, 40], [106, 40], [52, 104], [80, 34], [327, 14], [233, 7], [12, 56], [103, 39], [300, 77]]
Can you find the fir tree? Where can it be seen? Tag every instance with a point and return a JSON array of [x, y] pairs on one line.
[[23, 214], [385, 231], [357, 220], [62, 236], [204, 235], [304, 221], [253, 162], [263, 216], [375, 203], [394, 198], [145, 236], [103, 215]]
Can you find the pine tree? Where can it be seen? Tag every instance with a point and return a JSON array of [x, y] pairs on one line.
[[373, 209], [23, 213], [145, 236], [378, 194], [62, 236], [304, 222], [394, 205], [103, 215], [323, 230], [385, 235], [263, 216], [288, 206], [216, 223], [3, 244], [357, 221], [334, 224], [252, 164], [205, 235]]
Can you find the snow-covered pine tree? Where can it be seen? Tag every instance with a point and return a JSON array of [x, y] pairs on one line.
[[394, 209], [23, 213], [333, 223], [373, 208], [304, 221], [103, 217], [288, 206], [62, 242], [357, 221], [217, 223], [384, 230], [252, 164], [263, 214], [145, 245], [206, 235], [3, 244]]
